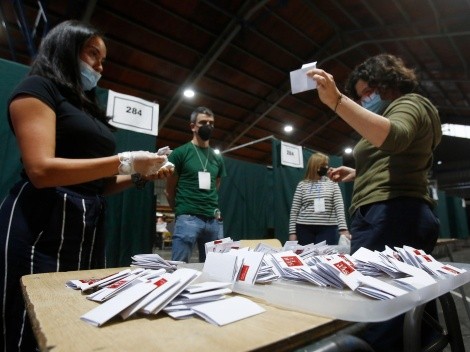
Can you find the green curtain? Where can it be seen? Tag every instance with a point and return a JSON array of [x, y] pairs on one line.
[[10, 165], [458, 226], [130, 216], [442, 211], [244, 199]]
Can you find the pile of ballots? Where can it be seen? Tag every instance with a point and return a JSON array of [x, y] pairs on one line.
[[153, 261], [142, 291], [380, 275], [404, 270]]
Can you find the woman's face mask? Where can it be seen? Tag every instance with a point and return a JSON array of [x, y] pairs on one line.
[[322, 171], [374, 103], [89, 77]]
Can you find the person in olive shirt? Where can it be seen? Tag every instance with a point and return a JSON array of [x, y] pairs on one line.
[[390, 205], [192, 190]]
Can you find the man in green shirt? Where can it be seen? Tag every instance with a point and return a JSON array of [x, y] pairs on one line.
[[192, 189]]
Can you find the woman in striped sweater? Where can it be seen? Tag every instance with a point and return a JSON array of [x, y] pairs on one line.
[[317, 210]]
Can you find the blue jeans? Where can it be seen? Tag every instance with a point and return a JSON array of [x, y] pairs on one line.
[[396, 222], [192, 229]]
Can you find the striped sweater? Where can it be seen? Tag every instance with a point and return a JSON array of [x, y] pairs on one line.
[[302, 210]]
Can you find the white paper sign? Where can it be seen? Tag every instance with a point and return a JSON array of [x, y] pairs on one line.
[[299, 82], [291, 155], [132, 113]]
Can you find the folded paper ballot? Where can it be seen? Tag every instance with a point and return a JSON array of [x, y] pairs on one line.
[[185, 278], [104, 312], [228, 310], [207, 286], [299, 81], [221, 266], [210, 246], [167, 282], [250, 262], [153, 261], [87, 284]]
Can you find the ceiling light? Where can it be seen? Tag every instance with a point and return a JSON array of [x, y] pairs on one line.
[[217, 151], [288, 128], [348, 150], [189, 93]]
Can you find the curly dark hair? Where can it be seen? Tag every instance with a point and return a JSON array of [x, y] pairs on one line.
[[383, 72], [58, 60]]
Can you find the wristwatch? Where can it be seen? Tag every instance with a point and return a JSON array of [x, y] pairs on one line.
[[138, 181]]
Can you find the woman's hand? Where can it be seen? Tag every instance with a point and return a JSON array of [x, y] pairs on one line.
[[341, 174], [292, 237], [326, 87], [167, 169], [345, 233]]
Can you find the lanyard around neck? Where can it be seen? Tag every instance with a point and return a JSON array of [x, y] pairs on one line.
[[204, 166]]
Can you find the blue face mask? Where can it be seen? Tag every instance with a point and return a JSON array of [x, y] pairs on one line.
[[89, 77], [375, 104]]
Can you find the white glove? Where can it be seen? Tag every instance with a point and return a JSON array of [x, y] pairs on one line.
[[141, 162], [164, 151], [167, 164]]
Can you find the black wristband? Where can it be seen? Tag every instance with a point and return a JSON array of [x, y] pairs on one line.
[[138, 181]]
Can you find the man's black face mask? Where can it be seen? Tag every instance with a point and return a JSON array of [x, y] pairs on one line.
[[205, 132]]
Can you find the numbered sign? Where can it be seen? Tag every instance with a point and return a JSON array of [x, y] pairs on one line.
[[132, 113], [291, 155]]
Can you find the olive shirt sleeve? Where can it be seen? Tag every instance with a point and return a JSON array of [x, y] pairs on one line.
[[405, 120], [411, 116]]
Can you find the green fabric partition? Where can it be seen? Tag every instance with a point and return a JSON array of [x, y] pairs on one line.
[[130, 220], [442, 213], [458, 226], [10, 165], [245, 199]]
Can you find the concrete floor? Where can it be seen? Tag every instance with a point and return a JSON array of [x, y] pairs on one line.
[[460, 251]]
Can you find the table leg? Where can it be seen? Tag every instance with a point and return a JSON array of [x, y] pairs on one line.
[[412, 329], [461, 289]]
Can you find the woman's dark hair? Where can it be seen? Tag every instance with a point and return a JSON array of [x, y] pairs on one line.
[[58, 60], [383, 72]]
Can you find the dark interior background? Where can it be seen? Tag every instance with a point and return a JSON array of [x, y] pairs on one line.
[[237, 56]]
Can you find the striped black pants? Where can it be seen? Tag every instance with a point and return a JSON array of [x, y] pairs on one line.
[[43, 230]]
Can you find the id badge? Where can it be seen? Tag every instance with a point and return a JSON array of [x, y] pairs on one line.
[[319, 205], [204, 180]]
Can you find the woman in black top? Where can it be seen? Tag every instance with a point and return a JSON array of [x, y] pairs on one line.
[[52, 219]]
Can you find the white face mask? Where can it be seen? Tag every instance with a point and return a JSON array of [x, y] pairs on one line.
[[88, 75]]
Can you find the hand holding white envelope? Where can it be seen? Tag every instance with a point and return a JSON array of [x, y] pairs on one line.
[[299, 81]]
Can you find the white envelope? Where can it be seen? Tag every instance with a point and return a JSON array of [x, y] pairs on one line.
[[102, 313], [228, 310], [251, 264], [299, 81], [221, 266]]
